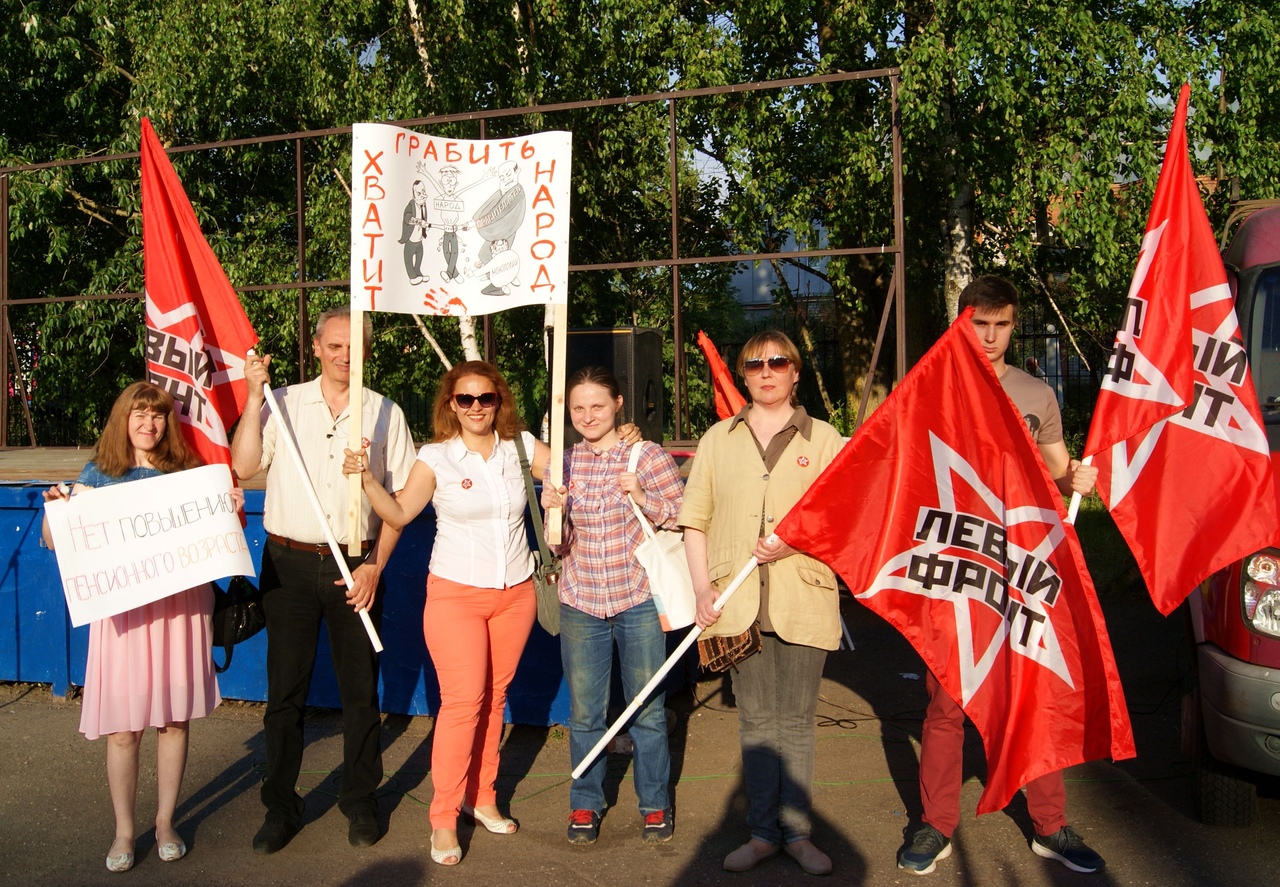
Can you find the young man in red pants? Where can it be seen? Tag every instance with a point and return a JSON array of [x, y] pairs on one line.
[[995, 304]]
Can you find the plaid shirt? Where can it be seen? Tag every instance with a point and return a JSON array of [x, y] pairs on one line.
[[601, 575]]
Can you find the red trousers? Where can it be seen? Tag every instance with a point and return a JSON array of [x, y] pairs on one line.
[[942, 770]]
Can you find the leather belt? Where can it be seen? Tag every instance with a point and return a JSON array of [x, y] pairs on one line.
[[321, 548]]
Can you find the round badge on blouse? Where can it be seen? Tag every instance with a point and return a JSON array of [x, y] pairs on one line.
[[466, 483], [803, 461]]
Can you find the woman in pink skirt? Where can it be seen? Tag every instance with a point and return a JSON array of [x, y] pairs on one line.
[[151, 666]]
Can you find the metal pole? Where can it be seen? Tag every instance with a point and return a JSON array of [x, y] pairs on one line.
[[304, 337], [899, 230], [678, 393], [19, 384], [875, 351], [4, 306]]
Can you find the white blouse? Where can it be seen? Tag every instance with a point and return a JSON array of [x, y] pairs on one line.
[[480, 506]]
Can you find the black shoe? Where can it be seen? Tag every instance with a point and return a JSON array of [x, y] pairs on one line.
[[273, 835], [928, 845], [584, 827], [658, 827], [1066, 846], [364, 830]]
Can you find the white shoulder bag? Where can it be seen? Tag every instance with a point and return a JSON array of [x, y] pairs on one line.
[[661, 554]]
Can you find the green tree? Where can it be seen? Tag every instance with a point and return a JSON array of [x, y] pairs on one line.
[[1032, 135], [1033, 132], [86, 72]]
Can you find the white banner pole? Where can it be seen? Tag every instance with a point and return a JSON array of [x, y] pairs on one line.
[[553, 520], [355, 432], [661, 673]]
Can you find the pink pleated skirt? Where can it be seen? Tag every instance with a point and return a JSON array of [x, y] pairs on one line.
[[151, 666]]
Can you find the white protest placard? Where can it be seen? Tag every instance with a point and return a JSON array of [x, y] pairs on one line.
[[129, 544], [458, 226]]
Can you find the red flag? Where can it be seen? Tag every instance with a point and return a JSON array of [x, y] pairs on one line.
[[729, 399], [941, 516], [1177, 436], [197, 331]]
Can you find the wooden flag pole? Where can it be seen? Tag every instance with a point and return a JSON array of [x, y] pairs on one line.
[[355, 431], [560, 344]]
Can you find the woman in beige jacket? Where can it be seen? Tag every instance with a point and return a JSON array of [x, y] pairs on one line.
[[748, 472]]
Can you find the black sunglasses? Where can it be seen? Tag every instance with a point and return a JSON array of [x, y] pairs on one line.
[[488, 399], [777, 363]]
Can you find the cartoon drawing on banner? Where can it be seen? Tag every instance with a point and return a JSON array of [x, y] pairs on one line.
[[483, 224], [450, 206], [502, 270], [414, 231], [497, 221]]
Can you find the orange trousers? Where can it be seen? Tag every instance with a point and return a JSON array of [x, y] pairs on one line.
[[475, 637]]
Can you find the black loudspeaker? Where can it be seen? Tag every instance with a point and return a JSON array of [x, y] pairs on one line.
[[634, 356]]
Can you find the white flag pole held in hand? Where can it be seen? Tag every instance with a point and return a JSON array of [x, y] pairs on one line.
[[286, 434], [661, 673], [1074, 508]]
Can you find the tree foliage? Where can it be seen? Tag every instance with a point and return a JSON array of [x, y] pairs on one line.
[[1032, 134]]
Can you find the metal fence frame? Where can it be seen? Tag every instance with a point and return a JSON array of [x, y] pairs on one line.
[[896, 297]]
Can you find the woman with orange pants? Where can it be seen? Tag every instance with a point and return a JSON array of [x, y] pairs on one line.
[[480, 597]]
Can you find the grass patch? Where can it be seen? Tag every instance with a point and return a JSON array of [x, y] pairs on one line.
[[1110, 562]]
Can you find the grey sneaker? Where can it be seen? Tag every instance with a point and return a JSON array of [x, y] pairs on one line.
[[1066, 846], [928, 845]]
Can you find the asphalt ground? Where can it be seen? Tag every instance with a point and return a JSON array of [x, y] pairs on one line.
[[56, 821]]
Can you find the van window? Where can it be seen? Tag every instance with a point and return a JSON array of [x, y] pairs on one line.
[[1265, 361]]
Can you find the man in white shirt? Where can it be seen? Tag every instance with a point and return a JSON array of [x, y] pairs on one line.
[[302, 583]]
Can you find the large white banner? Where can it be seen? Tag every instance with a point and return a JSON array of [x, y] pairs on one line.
[[457, 226], [126, 545]]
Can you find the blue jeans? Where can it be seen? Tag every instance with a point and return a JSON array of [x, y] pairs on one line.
[[586, 648], [777, 695]]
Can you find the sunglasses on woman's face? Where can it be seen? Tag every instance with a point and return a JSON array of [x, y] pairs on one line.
[[486, 400], [777, 363]]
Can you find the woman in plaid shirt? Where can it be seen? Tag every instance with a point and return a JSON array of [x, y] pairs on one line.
[[605, 599]]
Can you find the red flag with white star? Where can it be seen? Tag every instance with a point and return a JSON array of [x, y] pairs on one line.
[[1182, 454], [941, 516], [197, 331]]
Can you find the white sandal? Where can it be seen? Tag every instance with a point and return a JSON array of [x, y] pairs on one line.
[[500, 826], [441, 857]]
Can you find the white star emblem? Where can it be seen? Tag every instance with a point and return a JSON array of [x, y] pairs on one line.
[[1216, 410], [968, 561]]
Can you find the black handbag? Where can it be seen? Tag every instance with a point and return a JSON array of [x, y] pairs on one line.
[[546, 573], [237, 616]]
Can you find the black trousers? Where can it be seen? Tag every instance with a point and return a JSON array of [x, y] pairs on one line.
[[298, 594]]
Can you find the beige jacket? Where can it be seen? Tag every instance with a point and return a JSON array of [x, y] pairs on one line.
[[730, 496]]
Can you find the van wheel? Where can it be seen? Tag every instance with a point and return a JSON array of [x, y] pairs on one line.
[[1225, 797]]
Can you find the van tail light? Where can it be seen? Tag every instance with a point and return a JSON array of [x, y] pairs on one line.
[[1261, 598]]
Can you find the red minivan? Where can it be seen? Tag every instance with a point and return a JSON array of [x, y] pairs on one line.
[[1231, 713]]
